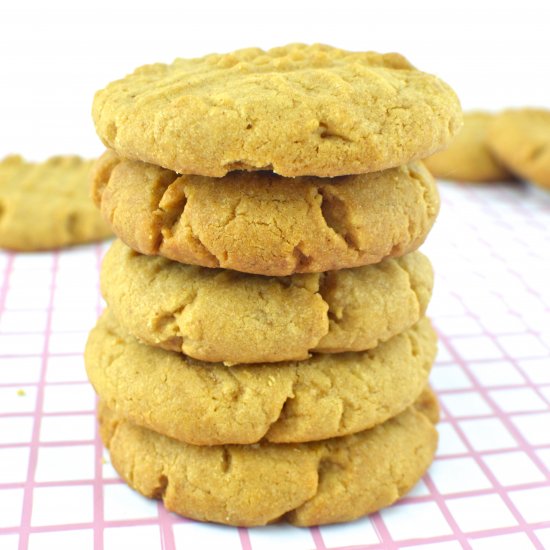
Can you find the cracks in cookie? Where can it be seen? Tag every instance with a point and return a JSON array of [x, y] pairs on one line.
[[287, 404], [284, 413], [111, 132], [415, 344], [537, 152], [101, 175], [227, 460], [302, 260], [326, 467], [215, 260], [71, 224], [169, 320], [170, 207], [174, 212], [332, 316], [170, 210], [325, 132], [328, 283], [244, 165], [412, 283], [165, 180], [2, 210], [159, 492], [334, 213], [397, 250]]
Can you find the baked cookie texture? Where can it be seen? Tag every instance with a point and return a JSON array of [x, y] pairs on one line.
[[257, 222], [47, 205], [520, 138], [306, 484], [223, 315], [297, 110], [211, 404], [468, 157]]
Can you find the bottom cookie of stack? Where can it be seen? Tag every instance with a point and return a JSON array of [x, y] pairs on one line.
[[328, 481]]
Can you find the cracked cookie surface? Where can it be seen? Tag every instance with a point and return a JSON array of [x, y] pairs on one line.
[[47, 205], [211, 404], [468, 157], [521, 140], [297, 110], [257, 222], [263, 319], [305, 484]]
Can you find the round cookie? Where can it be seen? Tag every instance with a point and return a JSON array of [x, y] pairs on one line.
[[521, 140], [257, 222], [210, 404], [468, 158], [305, 484], [263, 319], [296, 110], [47, 205]]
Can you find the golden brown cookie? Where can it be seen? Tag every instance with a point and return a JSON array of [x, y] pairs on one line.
[[468, 158], [210, 404], [297, 110], [520, 138], [47, 205], [222, 315], [306, 484], [260, 223]]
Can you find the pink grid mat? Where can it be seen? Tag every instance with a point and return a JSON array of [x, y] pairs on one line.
[[488, 488]]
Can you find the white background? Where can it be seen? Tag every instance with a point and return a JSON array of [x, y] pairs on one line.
[[55, 54]]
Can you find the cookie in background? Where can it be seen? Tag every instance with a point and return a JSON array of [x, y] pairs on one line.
[[469, 157], [47, 205], [520, 139]]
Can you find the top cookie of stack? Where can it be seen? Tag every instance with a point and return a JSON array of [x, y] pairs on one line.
[[284, 118]]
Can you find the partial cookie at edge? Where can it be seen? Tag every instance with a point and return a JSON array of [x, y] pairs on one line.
[[521, 140], [47, 205], [468, 157]]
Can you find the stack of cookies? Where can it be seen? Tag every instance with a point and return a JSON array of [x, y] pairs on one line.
[[264, 354]]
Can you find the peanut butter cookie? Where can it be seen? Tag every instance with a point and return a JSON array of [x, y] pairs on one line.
[[47, 205], [211, 404], [306, 484], [222, 315], [521, 140], [257, 222], [296, 110], [468, 157]]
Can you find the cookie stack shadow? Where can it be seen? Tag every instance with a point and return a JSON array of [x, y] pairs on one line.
[[265, 353]]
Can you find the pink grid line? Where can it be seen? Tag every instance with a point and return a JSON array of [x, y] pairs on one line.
[[484, 206], [29, 485], [98, 446], [500, 490]]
